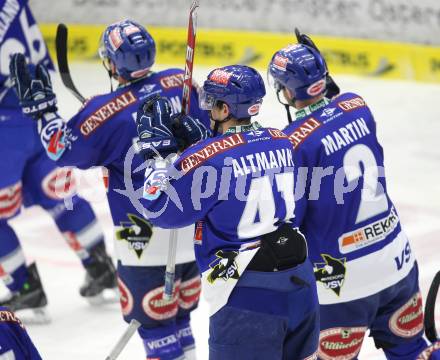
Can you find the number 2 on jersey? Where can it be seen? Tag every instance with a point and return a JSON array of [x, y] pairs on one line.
[[373, 198]]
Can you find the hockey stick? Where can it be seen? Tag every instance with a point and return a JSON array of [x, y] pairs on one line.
[[186, 99], [430, 330], [63, 65], [189, 60], [126, 336]]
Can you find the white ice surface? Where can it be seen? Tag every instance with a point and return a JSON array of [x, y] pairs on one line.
[[408, 118]]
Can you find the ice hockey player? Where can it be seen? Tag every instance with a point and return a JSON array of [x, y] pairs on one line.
[[103, 133], [14, 339], [238, 189], [367, 276], [28, 177]]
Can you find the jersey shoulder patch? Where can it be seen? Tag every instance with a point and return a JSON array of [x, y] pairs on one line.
[[349, 102], [102, 108], [203, 151], [170, 78], [298, 132]]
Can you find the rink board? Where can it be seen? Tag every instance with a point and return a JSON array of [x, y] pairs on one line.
[[225, 47]]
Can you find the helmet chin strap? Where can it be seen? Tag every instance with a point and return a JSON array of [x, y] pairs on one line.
[[286, 106], [216, 126], [110, 75], [289, 116], [217, 123]]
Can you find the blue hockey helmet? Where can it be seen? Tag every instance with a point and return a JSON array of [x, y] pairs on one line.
[[299, 68], [240, 87], [129, 47]]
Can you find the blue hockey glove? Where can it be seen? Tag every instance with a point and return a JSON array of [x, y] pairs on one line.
[[154, 127], [32, 86], [188, 131], [331, 86]]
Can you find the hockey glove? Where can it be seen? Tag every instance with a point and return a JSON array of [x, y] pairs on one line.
[[332, 88], [154, 128], [188, 131], [32, 86]]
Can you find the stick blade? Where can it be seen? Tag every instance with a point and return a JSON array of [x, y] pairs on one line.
[[61, 48], [63, 65]]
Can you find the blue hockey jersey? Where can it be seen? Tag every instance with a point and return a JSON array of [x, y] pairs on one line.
[[18, 33], [235, 187], [352, 228], [14, 340], [103, 133]]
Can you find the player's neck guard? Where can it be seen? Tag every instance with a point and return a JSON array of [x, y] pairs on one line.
[[243, 128], [300, 114]]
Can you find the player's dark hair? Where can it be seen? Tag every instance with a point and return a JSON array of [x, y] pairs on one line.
[[219, 104]]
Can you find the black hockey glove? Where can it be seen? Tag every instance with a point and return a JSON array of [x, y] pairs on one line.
[[188, 130], [331, 86], [32, 86], [154, 127]]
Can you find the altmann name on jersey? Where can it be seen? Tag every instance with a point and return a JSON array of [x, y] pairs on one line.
[[303, 131], [345, 135], [369, 234], [106, 111], [199, 157], [262, 161]]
